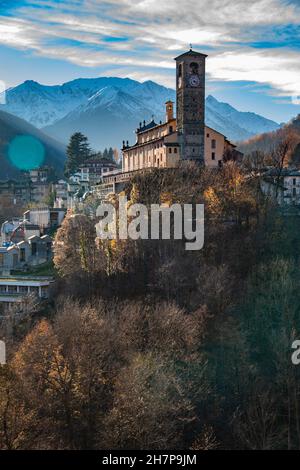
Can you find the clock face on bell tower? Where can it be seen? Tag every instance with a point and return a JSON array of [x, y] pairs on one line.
[[190, 71], [194, 80]]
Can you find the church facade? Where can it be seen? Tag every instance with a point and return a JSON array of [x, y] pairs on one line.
[[185, 137], [158, 145]]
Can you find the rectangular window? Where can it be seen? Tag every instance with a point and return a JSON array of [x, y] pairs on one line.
[[33, 249], [294, 181], [22, 255], [213, 156], [45, 292], [213, 144], [170, 150], [34, 290], [175, 150], [294, 192], [23, 289], [12, 289]]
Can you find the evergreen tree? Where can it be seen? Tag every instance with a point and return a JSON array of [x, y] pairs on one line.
[[52, 175], [97, 155], [110, 154], [105, 154], [78, 151]]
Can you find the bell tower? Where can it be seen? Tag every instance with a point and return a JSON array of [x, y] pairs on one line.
[[190, 104], [169, 111]]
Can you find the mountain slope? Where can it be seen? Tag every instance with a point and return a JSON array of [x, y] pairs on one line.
[[11, 127], [109, 117], [268, 141], [241, 125], [108, 109]]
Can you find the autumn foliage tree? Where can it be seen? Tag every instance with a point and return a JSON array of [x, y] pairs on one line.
[[146, 345]]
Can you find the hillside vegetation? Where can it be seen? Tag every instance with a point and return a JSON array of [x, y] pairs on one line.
[[149, 346], [268, 142]]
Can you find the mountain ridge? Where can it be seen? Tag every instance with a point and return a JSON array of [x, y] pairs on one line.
[[118, 104]]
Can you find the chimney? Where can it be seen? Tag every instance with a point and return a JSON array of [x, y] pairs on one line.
[[169, 111]]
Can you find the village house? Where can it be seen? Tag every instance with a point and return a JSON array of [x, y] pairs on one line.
[[60, 189], [93, 169], [45, 217], [82, 183], [17, 192], [15, 288], [283, 185], [35, 221], [26, 253], [32, 187]]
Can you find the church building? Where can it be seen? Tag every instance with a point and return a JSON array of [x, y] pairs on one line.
[[185, 137]]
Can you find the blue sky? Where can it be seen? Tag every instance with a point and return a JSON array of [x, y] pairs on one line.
[[253, 46]]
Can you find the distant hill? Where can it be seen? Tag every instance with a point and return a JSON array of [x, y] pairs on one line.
[[108, 110], [11, 127], [267, 142]]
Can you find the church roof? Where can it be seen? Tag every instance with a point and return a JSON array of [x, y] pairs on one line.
[[147, 127], [190, 53]]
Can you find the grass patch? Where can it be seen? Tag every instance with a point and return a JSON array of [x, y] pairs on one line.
[[46, 269]]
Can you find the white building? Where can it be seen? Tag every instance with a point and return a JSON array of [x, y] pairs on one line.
[[45, 217], [282, 185], [32, 252], [61, 194], [14, 289]]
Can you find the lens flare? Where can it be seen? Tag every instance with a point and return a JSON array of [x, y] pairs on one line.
[[26, 152]]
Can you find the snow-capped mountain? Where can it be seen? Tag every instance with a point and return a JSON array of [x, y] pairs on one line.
[[44, 105], [108, 117], [108, 109], [41, 105], [112, 100]]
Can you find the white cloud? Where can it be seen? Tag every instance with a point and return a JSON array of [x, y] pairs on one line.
[[280, 69], [17, 33], [204, 21], [211, 12], [154, 28]]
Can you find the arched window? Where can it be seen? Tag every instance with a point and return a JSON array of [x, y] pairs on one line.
[[194, 67]]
